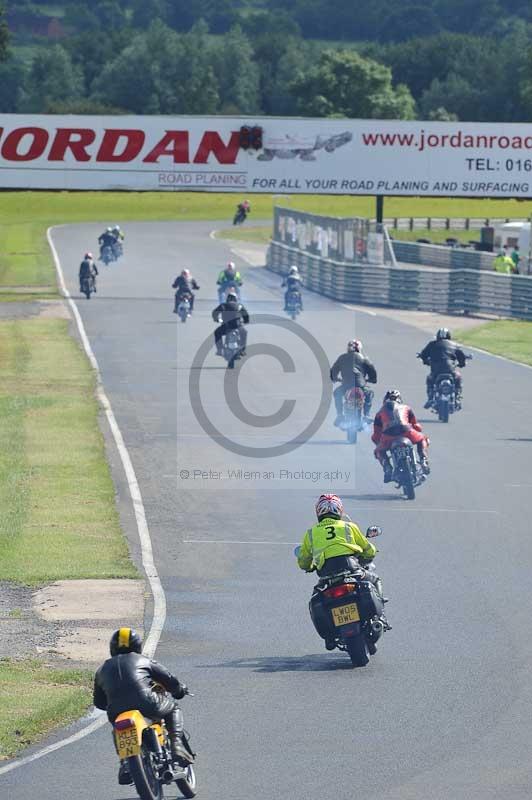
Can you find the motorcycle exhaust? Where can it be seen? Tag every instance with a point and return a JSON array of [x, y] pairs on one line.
[[377, 627], [168, 776]]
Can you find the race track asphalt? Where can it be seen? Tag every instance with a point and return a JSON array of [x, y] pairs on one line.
[[444, 710]]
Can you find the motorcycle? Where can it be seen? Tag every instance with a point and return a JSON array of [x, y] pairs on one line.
[[232, 347], [228, 286], [444, 400], [146, 748], [107, 255], [240, 216], [183, 307], [293, 304], [348, 612], [407, 471], [118, 249], [88, 285], [353, 413]]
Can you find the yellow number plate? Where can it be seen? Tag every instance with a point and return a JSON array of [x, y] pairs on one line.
[[345, 614], [127, 743]]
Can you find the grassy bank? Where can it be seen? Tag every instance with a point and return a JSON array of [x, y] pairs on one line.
[[503, 337], [35, 698], [58, 517], [25, 260]]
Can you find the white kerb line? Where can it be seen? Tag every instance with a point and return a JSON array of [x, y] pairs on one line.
[[159, 599]]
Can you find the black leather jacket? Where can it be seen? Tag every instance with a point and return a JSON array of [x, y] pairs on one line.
[[126, 681], [184, 285], [232, 314], [348, 365], [442, 355]]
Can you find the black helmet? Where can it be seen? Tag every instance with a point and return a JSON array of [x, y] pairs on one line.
[[443, 333], [394, 395], [125, 640]]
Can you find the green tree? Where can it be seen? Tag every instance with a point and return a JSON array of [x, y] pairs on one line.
[[4, 35], [146, 11], [12, 80], [455, 94], [52, 78], [345, 84], [237, 73]]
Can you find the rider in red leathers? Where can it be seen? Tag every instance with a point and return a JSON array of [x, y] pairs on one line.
[[396, 419]]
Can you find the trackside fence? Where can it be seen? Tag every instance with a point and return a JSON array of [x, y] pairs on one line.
[[451, 291]]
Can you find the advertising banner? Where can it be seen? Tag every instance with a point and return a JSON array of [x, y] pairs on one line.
[[328, 237], [310, 156]]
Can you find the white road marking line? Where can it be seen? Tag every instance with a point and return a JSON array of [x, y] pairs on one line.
[[212, 234], [159, 599], [232, 541], [361, 310]]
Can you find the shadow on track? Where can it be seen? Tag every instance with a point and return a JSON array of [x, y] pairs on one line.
[[269, 664]]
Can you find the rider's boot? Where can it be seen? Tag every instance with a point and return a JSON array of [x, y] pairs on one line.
[[388, 471]]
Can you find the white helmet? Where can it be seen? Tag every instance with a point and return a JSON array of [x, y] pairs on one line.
[[109, 230], [293, 270], [231, 266], [116, 228]]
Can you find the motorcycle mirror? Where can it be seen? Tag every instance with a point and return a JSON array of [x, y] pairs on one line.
[[373, 531], [297, 551]]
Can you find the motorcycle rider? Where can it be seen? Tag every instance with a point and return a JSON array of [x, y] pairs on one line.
[[126, 681], [336, 544], [293, 282], [354, 368], [107, 239], [88, 269], [228, 278], [184, 284], [233, 315], [243, 208], [396, 419], [442, 355], [119, 237]]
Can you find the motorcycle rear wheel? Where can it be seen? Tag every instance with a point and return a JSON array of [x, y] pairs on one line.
[[352, 435], [408, 484], [443, 410], [357, 647], [187, 786], [144, 778]]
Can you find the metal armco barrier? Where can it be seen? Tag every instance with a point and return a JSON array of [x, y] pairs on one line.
[[451, 291], [441, 256]]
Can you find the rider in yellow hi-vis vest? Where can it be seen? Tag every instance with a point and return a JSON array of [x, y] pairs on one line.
[[334, 544], [332, 536]]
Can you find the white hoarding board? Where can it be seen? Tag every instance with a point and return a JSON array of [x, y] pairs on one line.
[[324, 156]]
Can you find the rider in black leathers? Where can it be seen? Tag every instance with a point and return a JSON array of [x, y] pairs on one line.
[[443, 355], [183, 285], [126, 680], [354, 368], [233, 315], [88, 269]]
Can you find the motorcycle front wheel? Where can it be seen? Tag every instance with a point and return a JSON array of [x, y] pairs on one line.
[[144, 777], [187, 786], [357, 647]]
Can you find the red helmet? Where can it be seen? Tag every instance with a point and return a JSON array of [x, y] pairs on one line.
[[354, 346], [88, 255], [185, 273], [329, 505]]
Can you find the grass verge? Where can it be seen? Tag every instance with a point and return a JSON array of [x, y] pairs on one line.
[[261, 235], [35, 698], [509, 338], [58, 517]]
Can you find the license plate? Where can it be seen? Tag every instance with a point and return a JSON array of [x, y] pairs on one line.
[[345, 614], [127, 743]]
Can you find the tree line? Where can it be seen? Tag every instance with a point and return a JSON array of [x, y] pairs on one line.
[[162, 57]]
